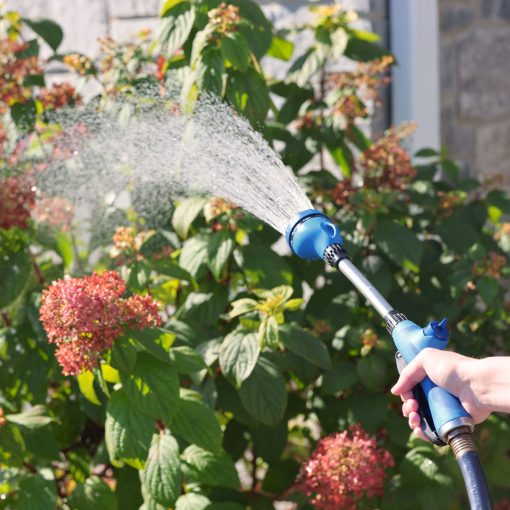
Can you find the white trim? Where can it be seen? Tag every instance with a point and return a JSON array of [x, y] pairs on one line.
[[415, 88]]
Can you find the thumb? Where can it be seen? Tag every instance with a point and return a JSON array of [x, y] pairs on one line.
[[411, 375]]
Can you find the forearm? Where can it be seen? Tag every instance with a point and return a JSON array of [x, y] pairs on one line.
[[490, 383]]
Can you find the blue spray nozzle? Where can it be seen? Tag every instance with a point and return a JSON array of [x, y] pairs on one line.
[[311, 233]]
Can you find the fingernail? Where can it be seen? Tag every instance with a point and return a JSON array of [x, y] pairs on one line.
[[393, 389]]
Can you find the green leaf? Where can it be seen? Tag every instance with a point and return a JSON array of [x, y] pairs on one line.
[[15, 271], [128, 489], [207, 468], [161, 476], [249, 94], [363, 50], [238, 355], [343, 376], [305, 345], [219, 250], [86, 384], [263, 267], [185, 213], [152, 388], [305, 67], [235, 50], [264, 394], [156, 341], [48, 30], [175, 27], [185, 360], [167, 5], [254, 26], [458, 231], [268, 333], [210, 71], [203, 308], [32, 418], [24, 115], [280, 476], [399, 243], [372, 371], [12, 446], [281, 48], [127, 433], [37, 493], [94, 494], [34, 80], [488, 288], [64, 248], [192, 501], [193, 256], [196, 423], [242, 306], [123, 356]]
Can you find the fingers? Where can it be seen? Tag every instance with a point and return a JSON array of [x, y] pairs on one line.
[[418, 432], [409, 407], [414, 420], [411, 375]]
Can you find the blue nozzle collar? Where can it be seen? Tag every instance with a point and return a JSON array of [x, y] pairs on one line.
[[310, 233]]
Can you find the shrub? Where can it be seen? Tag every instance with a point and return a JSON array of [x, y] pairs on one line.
[[221, 404]]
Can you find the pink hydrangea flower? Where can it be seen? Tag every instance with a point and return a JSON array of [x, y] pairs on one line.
[[344, 468], [83, 317]]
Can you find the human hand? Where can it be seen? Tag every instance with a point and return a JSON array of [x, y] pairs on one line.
[[457, 374]]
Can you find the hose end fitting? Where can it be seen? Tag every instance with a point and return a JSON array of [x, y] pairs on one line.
[[461, 441]]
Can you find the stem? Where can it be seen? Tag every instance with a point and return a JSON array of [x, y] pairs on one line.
[[254, 480], [322, 92], [76, 259], [30, 467], [6, 319], [37, 269]]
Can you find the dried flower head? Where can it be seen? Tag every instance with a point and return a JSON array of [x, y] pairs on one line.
[[17, 199], [83, 317], [344, 468], [59, 95], [79, 63], [387, 165], [226, 17], [14, 68]]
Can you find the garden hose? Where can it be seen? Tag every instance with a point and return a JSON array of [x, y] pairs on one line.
[[444, 420]]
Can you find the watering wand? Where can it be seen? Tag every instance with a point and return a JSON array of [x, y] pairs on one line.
[[313, 236]]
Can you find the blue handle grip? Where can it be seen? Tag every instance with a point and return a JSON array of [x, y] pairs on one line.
[[410, 339]]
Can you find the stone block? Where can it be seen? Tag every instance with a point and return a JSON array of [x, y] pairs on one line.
[[83, 21], [484, 73], [493, 147], [133, 8], [455, 17]]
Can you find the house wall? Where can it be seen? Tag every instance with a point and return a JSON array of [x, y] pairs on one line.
[[475, 84]]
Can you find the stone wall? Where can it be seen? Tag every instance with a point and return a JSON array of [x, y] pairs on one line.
[[475, 84]]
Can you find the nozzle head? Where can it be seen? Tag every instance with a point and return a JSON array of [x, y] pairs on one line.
[[311, 233]]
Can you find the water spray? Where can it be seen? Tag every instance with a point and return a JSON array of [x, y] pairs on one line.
[[312, 236]]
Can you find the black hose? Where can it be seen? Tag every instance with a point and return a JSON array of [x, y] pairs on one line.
[[476, 485], [464, 449]]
